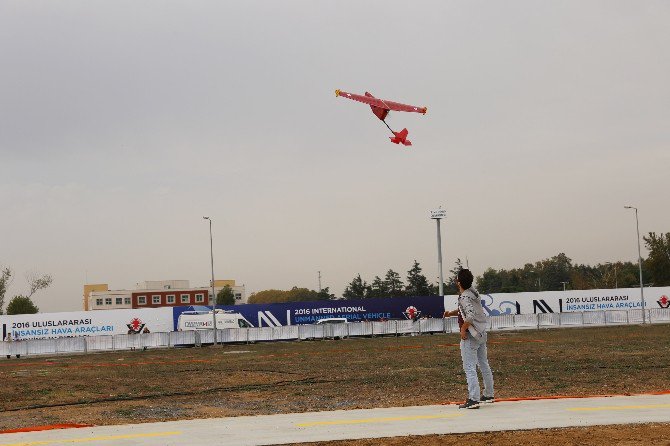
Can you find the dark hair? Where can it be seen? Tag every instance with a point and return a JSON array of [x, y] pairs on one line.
[[465, 278]]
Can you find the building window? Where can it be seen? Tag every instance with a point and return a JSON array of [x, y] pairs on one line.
[[199, 298], [126, 300], [238, 296], [170, 298], [98, 301], [141, 300], [119, 301], [156, 300], [108, 300], [185, 298]]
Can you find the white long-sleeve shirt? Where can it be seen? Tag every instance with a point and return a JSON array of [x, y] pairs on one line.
[[470, 307]]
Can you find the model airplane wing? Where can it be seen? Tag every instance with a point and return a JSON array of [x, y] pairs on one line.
[[381, 109], [381, 103]]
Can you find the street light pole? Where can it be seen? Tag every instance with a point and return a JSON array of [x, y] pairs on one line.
[[564, 285], [437, 215], [539, 283], [211, 253], [613, 265], [639, 260]]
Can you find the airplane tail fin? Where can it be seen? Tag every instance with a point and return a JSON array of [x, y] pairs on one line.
[[401, 137]]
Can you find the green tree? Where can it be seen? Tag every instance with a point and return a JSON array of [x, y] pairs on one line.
[[555, 271], [296, 294], [378, 288], [450, 286], [393, 283], [658, 262], [325, 294], [35, 281], [5, 281], [225, 296], [549, 274], [417, 284], [490, 281], [267, 297], [357, 289], [38, 282], [21, 305]]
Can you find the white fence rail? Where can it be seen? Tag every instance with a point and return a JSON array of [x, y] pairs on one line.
[[325, 331]]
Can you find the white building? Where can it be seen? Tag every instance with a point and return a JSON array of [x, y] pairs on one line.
[[110, 300]]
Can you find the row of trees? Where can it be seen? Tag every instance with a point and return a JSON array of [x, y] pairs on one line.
[[295, 294], [558, 272], [22, 303], [555, 273], [392, 285]]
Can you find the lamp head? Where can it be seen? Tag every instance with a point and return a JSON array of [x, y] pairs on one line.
[[206, 218]]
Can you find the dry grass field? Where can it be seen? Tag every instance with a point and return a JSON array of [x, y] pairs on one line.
[[266, 378]]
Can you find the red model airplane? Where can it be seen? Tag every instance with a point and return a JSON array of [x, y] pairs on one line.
[[381, 109]]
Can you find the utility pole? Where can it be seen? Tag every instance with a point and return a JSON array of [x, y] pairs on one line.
[[211, 253], [437, 215], [639, 260], [319, 281]]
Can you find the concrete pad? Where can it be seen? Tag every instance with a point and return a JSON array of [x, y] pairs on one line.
[[367, 423]]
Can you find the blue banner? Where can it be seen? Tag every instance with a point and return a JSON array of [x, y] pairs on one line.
[[358, 310]]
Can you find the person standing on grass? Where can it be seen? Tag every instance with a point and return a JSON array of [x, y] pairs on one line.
[[146, 330], [472, 324]]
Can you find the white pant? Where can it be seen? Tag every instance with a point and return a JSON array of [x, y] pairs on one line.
[[473, 353]]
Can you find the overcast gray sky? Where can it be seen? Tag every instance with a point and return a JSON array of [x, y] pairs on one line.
[[122, 123]]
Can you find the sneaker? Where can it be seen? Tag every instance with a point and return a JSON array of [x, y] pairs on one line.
[[487, 399], [469, 404]]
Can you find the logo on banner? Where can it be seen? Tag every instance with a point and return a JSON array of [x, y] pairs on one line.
[[664, 302], [411, 313], [136, 325], [269, 319], [505, 307]]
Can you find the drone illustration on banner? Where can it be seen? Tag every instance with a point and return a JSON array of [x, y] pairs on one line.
[[381, 109]]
